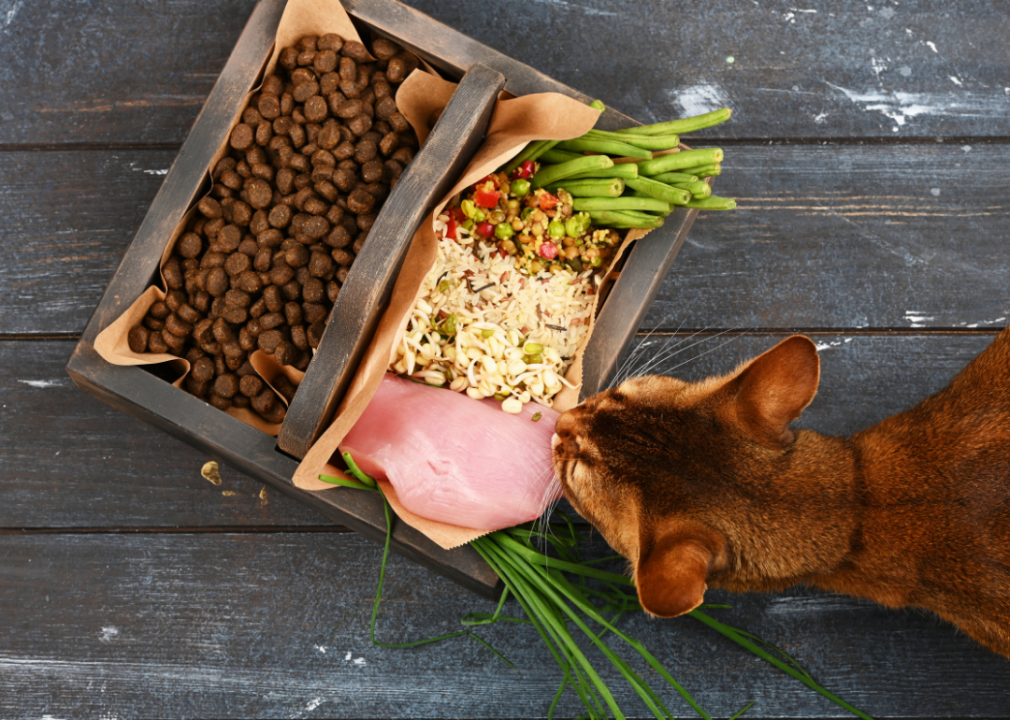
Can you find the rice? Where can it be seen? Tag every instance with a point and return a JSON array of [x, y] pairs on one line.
[[504, 333]]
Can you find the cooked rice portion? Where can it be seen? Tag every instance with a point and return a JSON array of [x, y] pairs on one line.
[[483, 326]]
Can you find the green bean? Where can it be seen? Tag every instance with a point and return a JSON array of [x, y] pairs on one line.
[[620, 170], [542, 147], [620, 220], [608, 147], [697, 189], [598, 105], [621, 203], [589, 187], [680, 160], [682, 126], [713, 203], [705, 171], [672, 178], [660, 191], [520, 158], [646, 142], [555, 156], [552, 173]]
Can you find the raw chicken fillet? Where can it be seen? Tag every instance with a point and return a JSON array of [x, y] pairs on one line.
[[454, 459]]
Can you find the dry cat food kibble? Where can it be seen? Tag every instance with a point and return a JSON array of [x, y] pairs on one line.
[[317, 151]]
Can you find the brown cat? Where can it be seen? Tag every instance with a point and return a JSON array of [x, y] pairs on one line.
[[699, 483]]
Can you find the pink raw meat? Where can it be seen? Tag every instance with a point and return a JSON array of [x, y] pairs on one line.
[[454, 459]]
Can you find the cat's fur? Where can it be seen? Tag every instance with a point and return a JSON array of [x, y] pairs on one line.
[[705, 484]]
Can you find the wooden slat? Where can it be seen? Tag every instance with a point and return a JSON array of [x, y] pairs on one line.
[[71, 461], [849, 237], [68, 460], [238, 626], [127, 74], [824, 237]]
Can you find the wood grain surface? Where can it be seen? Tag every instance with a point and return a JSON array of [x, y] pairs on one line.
[[868, 152], [256, 625], [830, 237], [139, 74]]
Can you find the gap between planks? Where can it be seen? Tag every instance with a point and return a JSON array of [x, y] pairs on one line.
[[689, 139]]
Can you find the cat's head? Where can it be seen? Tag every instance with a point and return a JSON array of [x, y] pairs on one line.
[[677, 475]]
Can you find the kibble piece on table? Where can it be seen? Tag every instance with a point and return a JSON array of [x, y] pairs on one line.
[[263, 258]]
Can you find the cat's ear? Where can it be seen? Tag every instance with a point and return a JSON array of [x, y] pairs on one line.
[[670, 574], [775, 387]]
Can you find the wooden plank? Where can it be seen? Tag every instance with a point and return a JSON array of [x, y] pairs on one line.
[[70, 461], [68, 219], [820, 71], [825, 237], [113, 73], [255, 625], [848, 237]]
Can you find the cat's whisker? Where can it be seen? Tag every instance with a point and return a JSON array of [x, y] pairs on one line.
[[672, 351], [625, 367], [720, 345], [628, 367]]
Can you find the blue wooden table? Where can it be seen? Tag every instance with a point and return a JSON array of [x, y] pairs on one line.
[[868, 153]]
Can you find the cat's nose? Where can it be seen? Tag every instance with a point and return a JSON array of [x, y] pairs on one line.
[[564, 423]]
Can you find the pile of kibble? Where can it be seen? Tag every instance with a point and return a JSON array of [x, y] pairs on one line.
[[319, 148]]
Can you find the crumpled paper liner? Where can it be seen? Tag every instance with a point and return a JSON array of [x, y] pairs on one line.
[[515, 122], [300, 18]]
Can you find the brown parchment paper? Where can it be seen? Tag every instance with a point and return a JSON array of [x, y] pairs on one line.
[[300, 18], [515, 122]]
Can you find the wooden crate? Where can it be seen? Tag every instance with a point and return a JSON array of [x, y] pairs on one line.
[[482, 73]]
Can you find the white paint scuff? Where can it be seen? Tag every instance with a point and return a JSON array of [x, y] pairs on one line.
[[313, 704], [985, 322], [12, 13], [917, 318], [575, 6], [321, 648], [900, 106], [832, 344], [699, 99], [108, 633], [41, 384]]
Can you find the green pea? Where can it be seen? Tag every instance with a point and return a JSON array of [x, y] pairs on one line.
[[486, 333], [573, 227], [443, 287], [556, 229], [595, 262], [533, 348], [468, 208], [478, 215], [449, 325], [525, 215], [503, 231], [520, 187], [468, 224]]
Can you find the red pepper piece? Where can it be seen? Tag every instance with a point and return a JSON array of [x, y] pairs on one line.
[[457, 214], [524, 171], [548, 251], [486, 198], [450, 229], [548, 201]]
